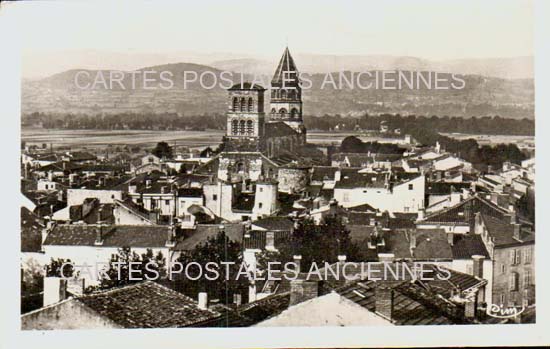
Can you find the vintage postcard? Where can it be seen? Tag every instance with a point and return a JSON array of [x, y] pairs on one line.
[[257, 166]]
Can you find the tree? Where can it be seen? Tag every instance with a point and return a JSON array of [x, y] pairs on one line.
[[315, 243], [54, 269], [351, 144], [162, 150], [147, 267], [216, 249]]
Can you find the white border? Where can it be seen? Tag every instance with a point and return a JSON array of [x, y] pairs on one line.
[[507, 335]]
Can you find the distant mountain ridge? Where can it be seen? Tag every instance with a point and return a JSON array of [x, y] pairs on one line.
[[481, 96]]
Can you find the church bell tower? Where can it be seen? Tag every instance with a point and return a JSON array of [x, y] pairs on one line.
[[286, 94]]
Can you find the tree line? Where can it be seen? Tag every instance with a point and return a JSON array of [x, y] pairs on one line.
[[491, 125]]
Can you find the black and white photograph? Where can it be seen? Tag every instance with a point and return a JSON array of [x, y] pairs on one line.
[[206, 166]]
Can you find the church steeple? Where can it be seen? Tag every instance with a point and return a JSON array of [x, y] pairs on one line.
[[287, 71], [286, 94]]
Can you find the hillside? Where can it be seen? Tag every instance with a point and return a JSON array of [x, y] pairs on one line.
[[481, 96]]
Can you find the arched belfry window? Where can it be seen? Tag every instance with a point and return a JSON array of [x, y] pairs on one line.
[[234, 127], [273, 111], [242, 127], [283, 94], [249, 127], [294, 113], [273, 93], [243, 104], [292, 94], [282, 112], [250, 104], [235, 104]]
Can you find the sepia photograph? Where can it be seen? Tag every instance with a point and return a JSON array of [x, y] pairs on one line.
[[278, 165]]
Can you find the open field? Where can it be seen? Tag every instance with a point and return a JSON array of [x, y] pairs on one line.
[[201, 139], [193, 139]]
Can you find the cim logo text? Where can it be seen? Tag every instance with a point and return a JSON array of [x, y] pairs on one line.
[[501, 312]]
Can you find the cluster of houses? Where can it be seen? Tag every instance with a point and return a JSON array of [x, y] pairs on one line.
[[426, 205]]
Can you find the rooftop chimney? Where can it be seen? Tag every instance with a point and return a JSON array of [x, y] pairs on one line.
[[298, 260], [517, 231], [478, 265], [451, 238], [384, 300], [203, 300], [412, 240], [420, 214], [55, 290], [99, 235], [470, 309], [302, 290]]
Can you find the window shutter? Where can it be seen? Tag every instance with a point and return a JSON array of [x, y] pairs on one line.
[[513, 281], [518, 256], [527, 256], [527, 278], [512, 257]]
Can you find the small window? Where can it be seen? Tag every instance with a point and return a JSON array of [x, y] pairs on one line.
[[167, 202], [260, 205], [527, 256], [215, 197], [513, 282], [410, 187], [527, 278], [503, 268], [261, 190]]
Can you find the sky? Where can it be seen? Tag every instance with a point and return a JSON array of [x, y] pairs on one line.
[[429, 29]]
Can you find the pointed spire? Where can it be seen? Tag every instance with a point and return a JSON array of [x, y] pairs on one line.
[[286, 64]]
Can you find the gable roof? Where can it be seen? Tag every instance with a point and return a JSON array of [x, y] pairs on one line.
[[463, 212], [467, 245], [147, 305], [275, 223], [146, 236], [503, 232], [431, 244]]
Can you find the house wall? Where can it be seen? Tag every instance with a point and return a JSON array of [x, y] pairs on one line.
[[400, 199], [185, 202], [502, 271], [292, 180], [266, 195], [466, 266], [67, 315], [77, 196]]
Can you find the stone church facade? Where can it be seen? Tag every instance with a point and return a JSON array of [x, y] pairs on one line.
[[257, 145]]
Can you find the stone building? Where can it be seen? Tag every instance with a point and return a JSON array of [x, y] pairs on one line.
[[255, 148]]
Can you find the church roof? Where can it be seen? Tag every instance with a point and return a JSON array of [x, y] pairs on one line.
[[286, 64], [246, 86]]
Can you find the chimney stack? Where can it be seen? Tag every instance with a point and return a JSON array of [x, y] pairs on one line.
[[99, 235], [517, 231], [412, 241], [470, 309], [478, 265], [384, 301], [298, 260], [203, 300], [451, 238], [302, 290], [420, 214], [55, 290]]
